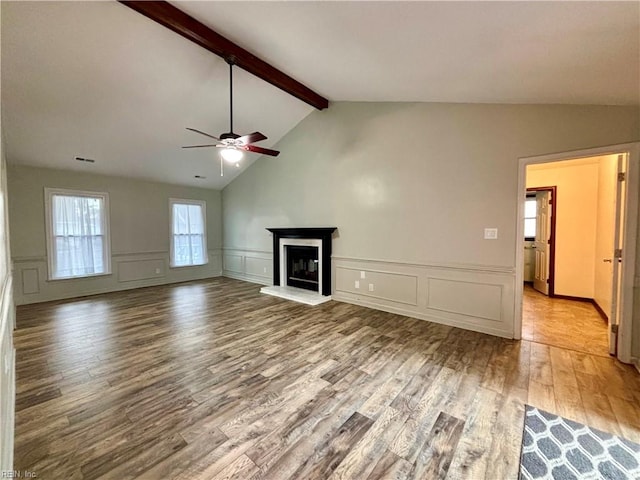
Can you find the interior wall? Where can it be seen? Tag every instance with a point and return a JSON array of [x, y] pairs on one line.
[[7, 322], [140, 229], [411, 188], [576, 211], [603, 274]]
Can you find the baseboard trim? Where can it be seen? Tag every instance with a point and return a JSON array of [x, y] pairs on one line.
[[592, 301], [569, 297], [422, 316], [602, 313], [636, 363]]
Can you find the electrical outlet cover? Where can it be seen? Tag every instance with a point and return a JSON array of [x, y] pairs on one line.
[[490, 233]]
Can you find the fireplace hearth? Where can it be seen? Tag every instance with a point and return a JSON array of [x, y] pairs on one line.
[[302, 262]]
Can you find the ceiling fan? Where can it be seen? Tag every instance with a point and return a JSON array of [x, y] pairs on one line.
[[231, 144]]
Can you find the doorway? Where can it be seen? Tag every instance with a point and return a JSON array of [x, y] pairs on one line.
[[570, 291], [540, 238]]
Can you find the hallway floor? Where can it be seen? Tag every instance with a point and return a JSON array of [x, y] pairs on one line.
[[569, 324]]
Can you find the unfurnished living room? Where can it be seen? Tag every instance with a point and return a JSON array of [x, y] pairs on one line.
[[312, 240]]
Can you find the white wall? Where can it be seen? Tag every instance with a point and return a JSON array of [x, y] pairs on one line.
[[411, 188], [139, 215], [576, 208]]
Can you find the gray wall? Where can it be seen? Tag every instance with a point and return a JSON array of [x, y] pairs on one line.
[[139, 219], [411, 188]]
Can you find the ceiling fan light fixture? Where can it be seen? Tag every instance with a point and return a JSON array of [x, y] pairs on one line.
[[231, 154]]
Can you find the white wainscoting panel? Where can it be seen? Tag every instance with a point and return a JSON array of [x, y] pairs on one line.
[[474, 297], [394, 287], [30, 280], [258, 267], [233, 263], [7, 375], [254, 266], [130, 270]]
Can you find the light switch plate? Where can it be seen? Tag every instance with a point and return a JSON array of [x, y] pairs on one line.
[[357, 284], [362, 274], [490, 233], [371, 287]]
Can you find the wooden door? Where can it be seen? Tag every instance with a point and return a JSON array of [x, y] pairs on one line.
[[542, 241]]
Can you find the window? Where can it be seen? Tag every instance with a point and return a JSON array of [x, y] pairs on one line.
[[188, 233], [77, 233], [530, 206]]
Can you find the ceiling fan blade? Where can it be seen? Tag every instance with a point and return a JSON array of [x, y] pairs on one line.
[[251, 138], [264, 151], [202, 133], [200, 146]]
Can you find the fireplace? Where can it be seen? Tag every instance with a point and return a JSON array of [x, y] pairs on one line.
[[302, 267], [302, 264]]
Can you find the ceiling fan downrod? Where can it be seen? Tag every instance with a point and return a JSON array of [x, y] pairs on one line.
[[231, 96], [231, 61]]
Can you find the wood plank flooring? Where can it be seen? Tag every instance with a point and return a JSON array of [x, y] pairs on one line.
[[212, 380], [569, 324]]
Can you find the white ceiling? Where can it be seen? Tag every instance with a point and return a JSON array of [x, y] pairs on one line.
[[98, 80]]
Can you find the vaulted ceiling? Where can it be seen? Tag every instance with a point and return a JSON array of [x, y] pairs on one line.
[[99, 80]]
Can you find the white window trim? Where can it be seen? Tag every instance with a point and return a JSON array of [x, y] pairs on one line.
[[183, 201], [48, 194]]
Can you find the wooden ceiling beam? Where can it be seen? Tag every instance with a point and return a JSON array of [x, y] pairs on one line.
[[176, 20]]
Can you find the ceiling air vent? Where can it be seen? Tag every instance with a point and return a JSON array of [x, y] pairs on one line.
[[82, 159]]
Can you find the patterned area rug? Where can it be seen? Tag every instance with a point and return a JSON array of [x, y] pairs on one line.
[[560, 449]]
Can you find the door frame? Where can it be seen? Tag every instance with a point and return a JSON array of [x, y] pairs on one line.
[[629, 242], [552, 237]]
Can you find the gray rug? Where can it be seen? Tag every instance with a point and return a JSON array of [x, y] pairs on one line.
[[560, 449]]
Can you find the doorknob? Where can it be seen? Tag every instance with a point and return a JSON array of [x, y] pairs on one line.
[[607, 260]]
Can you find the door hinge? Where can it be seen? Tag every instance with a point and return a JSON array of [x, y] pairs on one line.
[[548, 281], [614, 329], [617, 253], [621, 177]]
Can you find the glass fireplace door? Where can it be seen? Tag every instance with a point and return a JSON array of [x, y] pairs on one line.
[[302, 267]]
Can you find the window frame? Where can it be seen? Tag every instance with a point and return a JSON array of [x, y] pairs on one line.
[[106, 228], [184, 201], [530, 196]]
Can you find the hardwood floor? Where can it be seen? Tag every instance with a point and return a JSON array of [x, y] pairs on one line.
[[569, 324], [212, 380]]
